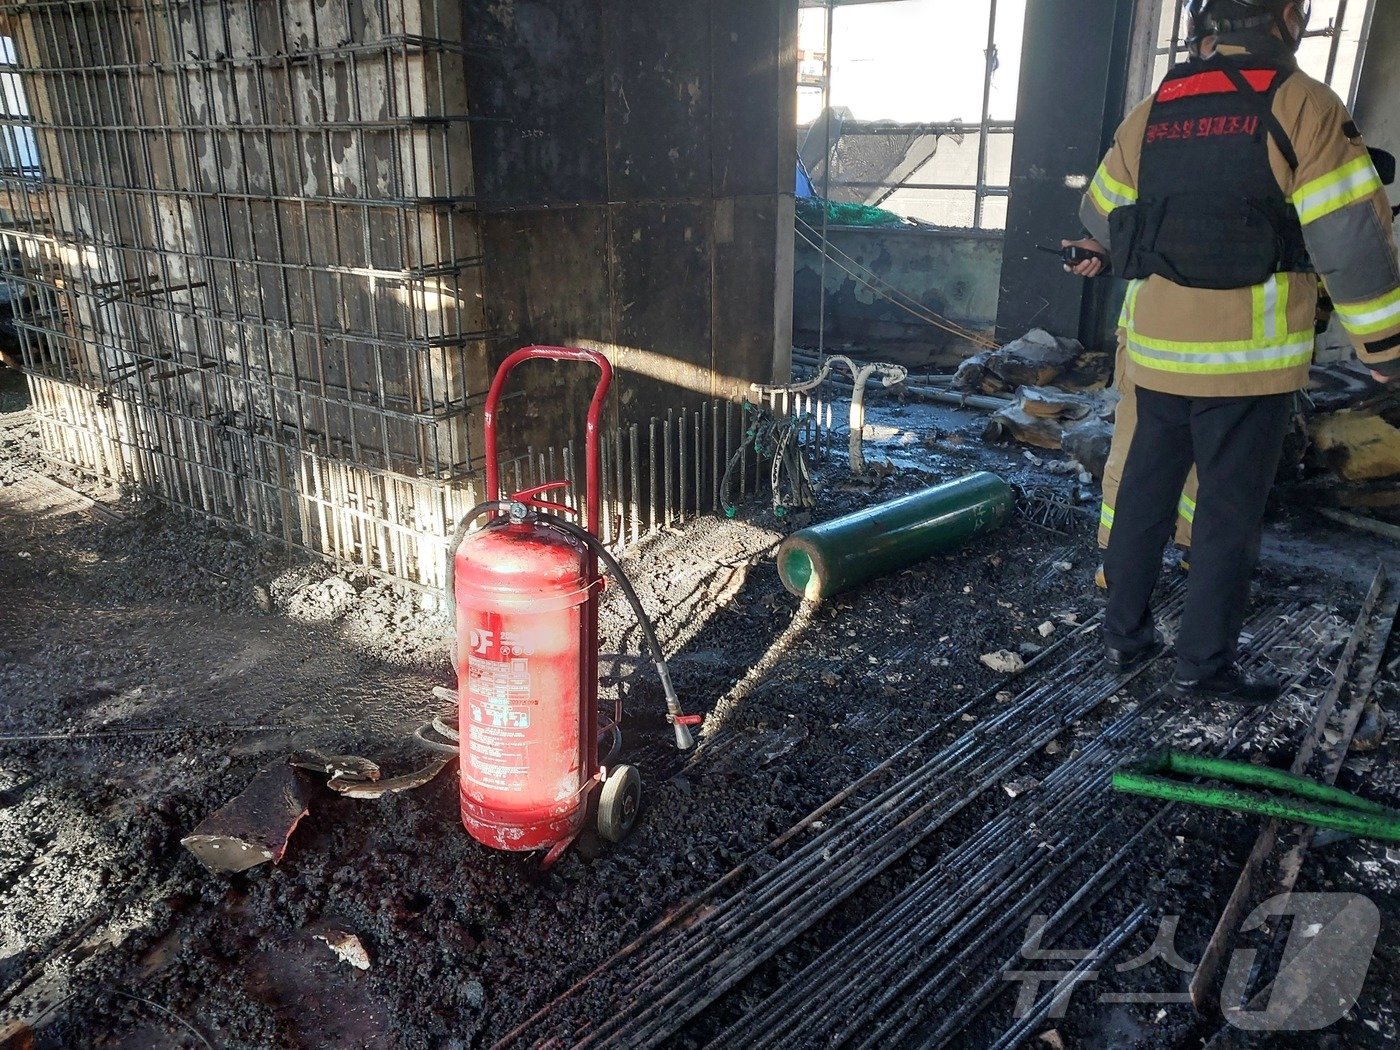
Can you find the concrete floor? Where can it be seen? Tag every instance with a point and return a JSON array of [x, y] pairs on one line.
[[138, 656]]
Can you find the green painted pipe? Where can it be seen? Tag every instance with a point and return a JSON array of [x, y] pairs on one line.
[[837, 555], [1320, 805]]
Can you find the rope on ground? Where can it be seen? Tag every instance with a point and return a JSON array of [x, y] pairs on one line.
[[776, 439]]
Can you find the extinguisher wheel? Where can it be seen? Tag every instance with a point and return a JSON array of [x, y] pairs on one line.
[[618, 803]]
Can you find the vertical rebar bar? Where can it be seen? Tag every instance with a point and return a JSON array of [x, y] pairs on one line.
[[668, 458], [716, 446], [683, 473], [620, 464], [605, 491], [572, 495], [634, 439], [652, 493], [698, 480], [728, 436], [745, 414]]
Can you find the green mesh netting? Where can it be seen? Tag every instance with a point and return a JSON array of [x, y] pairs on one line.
[[809, 210]]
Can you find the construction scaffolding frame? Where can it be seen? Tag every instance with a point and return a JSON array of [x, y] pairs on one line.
[[245, 262], [243, 247], [984, 185]]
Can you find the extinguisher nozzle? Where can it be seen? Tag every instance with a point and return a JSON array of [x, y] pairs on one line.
[[682, 722]]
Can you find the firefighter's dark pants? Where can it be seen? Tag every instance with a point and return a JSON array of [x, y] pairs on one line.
[[1235, 443]]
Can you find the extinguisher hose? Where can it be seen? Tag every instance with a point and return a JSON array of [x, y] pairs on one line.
[[684, 740]]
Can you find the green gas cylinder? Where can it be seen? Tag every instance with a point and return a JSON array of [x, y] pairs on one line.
[[824, 560]]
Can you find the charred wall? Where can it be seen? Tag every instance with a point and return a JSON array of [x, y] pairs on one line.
[[636, 194]]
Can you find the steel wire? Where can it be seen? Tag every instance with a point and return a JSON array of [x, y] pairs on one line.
[[779, 905], [772, 911]]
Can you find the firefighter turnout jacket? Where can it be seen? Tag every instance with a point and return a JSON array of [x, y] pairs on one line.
[[1224, 198]]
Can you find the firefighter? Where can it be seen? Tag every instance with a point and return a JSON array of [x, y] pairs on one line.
[[1125, 416], [1223, 199]]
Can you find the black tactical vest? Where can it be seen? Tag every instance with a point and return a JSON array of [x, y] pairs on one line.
[[1210, 212]]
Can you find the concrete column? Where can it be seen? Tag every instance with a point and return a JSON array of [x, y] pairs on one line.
[[1073, 71], [1378, 95], [638, 194]]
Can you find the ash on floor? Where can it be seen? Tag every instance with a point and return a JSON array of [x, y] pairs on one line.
[[231, 655]]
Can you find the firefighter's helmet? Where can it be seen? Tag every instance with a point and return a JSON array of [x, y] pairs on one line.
[[1213, 17]]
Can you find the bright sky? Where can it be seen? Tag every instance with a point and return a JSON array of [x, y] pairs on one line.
[[917, 60], [922, 60]]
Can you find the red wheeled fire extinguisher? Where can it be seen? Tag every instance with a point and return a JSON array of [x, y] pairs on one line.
[[525, 592]]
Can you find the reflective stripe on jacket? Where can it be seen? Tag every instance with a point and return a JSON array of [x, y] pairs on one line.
[[1255, 341]]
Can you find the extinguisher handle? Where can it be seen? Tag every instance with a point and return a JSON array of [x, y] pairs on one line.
[[593, 438], [529, 497]]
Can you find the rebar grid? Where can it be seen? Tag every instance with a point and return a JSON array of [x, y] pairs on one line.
[[680, 967], [391, 525], [874, 987], [244, 249], [240, 239], [252, 213], [721, 936], [658, 474]]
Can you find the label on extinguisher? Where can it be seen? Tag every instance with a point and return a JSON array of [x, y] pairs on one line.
[[498, 704], [500, 693]]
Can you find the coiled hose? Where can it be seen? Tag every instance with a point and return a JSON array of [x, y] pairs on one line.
[[674, 713], [775, 439]]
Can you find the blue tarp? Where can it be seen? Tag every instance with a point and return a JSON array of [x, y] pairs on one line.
[[804, 181]]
